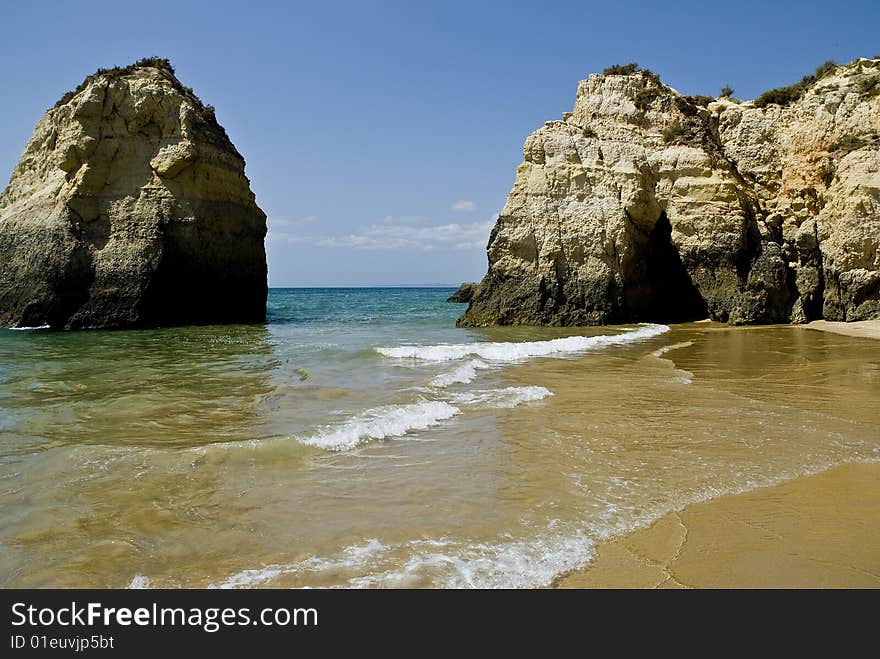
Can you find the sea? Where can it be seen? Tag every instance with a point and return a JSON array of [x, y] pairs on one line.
[[359, 439]]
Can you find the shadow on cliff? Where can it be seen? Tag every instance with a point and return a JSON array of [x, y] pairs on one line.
[[657, 286]]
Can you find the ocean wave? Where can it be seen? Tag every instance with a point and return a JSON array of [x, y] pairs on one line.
[[461, 375], [27, 329], [506, 397], [352, 558], [381, 422], [439, 562], [511, 564], [511, 351], [398, 420]]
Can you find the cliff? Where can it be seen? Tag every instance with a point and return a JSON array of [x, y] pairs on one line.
[[130, 208], [646, 205], [464, 293]]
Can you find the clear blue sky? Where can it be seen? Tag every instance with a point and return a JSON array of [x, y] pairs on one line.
[[382, 137]]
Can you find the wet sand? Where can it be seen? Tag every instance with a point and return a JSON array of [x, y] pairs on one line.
[[869, 329], [819, 531]]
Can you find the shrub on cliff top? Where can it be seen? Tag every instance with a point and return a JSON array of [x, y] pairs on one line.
[[630, 69], [726, 91], [161, 63], [621, 69], [823, 70], [648, 93], [786, 95], [700, 99]]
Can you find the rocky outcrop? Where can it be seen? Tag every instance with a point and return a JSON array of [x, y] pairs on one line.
[[464, 293], [130, 208], [643, 204]]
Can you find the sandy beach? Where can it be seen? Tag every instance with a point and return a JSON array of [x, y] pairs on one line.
[[868, 329], [817, 531]]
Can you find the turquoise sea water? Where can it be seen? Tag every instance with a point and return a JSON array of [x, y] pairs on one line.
[[360, 439]]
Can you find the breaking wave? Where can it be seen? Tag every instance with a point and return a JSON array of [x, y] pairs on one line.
[[381, 422], [461, 375], [506, 397], [516, 351], [441, 563]]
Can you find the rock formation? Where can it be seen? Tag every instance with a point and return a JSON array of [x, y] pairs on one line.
[[130, 208], [464, 293], [643, 204]]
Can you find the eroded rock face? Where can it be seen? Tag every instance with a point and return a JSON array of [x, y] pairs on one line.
[[130, 208], [464, 293], [642, 204]]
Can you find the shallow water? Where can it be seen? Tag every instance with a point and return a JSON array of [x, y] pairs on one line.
[[360, 439]]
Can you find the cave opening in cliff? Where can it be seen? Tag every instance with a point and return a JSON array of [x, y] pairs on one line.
[[658, 287]]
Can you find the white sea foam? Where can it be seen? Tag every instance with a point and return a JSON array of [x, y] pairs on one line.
[[461, 375], [381, 422], [23, 329], [442, 563], [512, 564], [139, 582], [511, 352], [506, 397], [353, 558], [675, 346]]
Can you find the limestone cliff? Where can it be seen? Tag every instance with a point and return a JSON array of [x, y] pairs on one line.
[[643, 204], [130, 208], [464, 293]]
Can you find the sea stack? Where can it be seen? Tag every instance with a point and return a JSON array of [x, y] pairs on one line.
[[646, 205], [130, 208]]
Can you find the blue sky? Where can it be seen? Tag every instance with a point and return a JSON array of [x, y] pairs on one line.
[[382, 137]]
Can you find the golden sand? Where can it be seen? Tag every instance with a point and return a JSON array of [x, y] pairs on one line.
[[869, 329], [820, 531]]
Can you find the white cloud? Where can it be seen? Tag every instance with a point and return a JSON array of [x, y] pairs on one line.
[[473, 244], [443, 233], [399, 236], [404, 219], [464, 206], [358, 241], [276, 221]]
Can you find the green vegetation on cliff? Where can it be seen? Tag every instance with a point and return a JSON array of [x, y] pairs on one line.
[[786, 95]]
